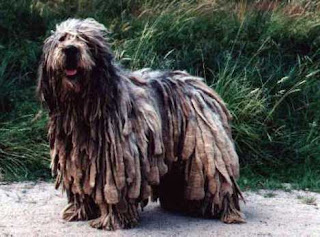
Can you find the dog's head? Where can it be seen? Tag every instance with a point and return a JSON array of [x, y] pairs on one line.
[[72, 54]]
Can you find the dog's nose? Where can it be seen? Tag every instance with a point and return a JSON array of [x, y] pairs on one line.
[[71, 50]]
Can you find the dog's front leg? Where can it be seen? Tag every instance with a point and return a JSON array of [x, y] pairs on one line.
[[115, 216], [80, 208]]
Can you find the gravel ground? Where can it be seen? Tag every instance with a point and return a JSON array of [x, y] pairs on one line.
[[34, 209]]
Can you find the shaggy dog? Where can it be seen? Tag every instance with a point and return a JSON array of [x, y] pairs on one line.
[[118, 138]]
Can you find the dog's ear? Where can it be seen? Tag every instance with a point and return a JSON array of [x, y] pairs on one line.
[[44, 91], [96, 36], [42, 81], [41, 78]]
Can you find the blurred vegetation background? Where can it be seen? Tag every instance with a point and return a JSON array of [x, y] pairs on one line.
[[262, 57]]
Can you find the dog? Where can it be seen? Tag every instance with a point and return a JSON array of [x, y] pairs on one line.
[[119, 138]]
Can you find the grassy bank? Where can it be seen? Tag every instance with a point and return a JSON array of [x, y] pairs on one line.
[[262, 58]]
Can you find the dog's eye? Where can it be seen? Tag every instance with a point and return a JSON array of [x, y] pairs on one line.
[[62, 38]]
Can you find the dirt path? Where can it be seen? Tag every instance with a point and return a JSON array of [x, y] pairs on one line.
[[28, 209]]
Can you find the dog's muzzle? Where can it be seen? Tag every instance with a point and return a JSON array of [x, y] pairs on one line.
[[71, 61]]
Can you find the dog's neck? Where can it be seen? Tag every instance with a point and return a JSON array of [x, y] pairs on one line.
[[111, 101]]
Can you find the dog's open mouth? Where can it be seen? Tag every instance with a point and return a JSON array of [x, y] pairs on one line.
[[71, 78], [71, 73]]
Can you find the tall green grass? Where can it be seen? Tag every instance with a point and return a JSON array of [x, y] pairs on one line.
[[23, 145], [262, 60]]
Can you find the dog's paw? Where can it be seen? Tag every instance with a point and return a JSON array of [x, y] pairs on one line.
[[114, 222], [73, 213], [234, 217]]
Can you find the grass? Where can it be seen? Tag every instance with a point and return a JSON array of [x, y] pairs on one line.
[[308, 200], [23, 148], [270, 195], [262, 60]]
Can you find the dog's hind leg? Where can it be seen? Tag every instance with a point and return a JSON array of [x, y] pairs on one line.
[[224, 204], [80, 208], [220, 197]]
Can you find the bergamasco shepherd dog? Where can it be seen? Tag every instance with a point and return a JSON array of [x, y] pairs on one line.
[[119, 138]]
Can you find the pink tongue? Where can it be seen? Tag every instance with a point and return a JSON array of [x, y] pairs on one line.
[[71, 72]]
